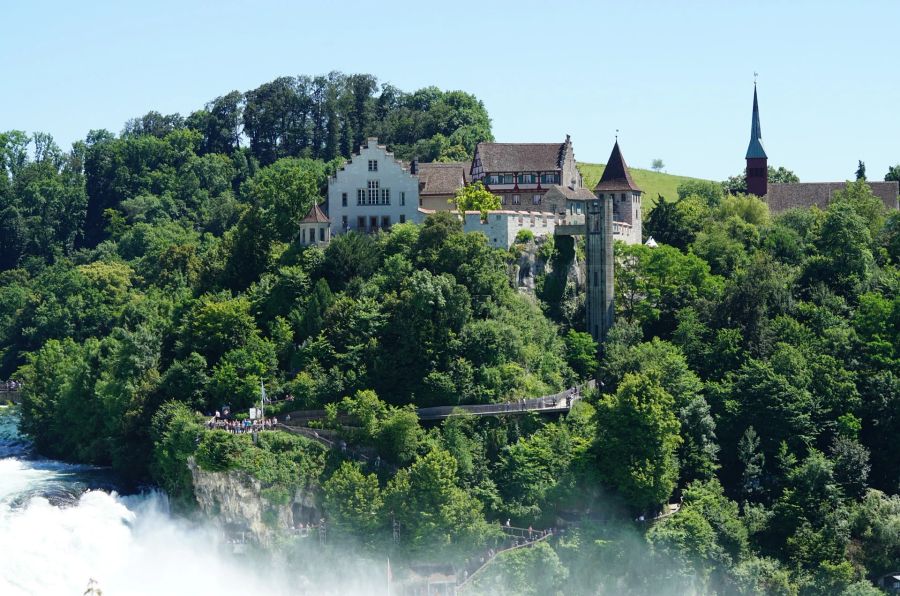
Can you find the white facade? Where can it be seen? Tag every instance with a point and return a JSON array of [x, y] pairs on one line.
[[372, 191], [314, 233], [502, 227]]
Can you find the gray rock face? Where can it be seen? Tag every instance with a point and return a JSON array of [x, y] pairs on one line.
[[234, 500], [529, 265]]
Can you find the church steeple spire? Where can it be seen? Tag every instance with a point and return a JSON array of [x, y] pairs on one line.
[[755, 149], [757, 160]]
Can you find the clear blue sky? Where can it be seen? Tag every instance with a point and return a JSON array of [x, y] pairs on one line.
[[675, 77]]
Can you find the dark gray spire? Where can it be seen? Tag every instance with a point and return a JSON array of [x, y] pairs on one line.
[[755, 149]]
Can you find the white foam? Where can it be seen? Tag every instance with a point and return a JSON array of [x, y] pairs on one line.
[[129, 545]]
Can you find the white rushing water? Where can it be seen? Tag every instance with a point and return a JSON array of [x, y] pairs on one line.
[[55, 537]]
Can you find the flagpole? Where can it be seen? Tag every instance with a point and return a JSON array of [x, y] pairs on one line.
[[262, 400]]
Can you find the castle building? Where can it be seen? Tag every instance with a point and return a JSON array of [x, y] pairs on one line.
[[521, 173], [539, 185], [373, 191], [439, 181], [783, 196]]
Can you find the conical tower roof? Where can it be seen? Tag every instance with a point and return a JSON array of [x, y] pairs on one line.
[[315, 215], [616, 175], [755, 149]]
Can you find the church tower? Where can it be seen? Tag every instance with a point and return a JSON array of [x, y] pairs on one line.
[[757, 160]]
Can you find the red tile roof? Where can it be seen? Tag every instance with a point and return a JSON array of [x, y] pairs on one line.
[[315, 215]]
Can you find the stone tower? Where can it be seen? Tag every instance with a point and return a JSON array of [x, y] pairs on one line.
[[757, 160], [599, 248], [616, 184]]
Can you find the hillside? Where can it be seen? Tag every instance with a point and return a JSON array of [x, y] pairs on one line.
[[652, 183]]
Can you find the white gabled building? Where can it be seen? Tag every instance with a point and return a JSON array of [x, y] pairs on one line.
[[373, 191]]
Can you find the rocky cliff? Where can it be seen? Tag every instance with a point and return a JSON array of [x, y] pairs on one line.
[[530, 262], [236, 501]]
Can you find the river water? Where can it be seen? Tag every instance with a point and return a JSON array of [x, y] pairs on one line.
[[62, 525]]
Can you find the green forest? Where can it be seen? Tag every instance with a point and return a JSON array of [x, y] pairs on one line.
[[149, 277]]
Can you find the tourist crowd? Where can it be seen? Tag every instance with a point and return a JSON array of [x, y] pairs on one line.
[[238, 427], [10, 385]]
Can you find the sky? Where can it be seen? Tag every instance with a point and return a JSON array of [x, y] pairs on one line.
[[675, 78]]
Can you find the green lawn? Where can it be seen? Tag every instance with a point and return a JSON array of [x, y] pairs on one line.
[[652, 183]]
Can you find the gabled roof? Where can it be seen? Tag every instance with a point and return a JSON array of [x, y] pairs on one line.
[[564, 192], [315, 215], [616, 175], [521, 157], [755, 148], [442, 178], [557, 196]]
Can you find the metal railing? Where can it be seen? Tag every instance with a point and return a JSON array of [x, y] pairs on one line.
[[556, 402], [516, 538]]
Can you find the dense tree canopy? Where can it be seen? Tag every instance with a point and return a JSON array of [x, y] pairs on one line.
[[752, 374]]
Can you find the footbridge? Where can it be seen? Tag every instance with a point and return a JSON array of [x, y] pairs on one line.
[[513, 539], [547, 404]]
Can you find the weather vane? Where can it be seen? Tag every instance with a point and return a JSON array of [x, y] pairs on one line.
[[617, 134], [755, 74]]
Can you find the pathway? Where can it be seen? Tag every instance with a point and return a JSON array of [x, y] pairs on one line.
[[516, 538], [546, 404]]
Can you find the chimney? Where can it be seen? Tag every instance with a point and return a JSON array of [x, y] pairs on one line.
[[414, 166]]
